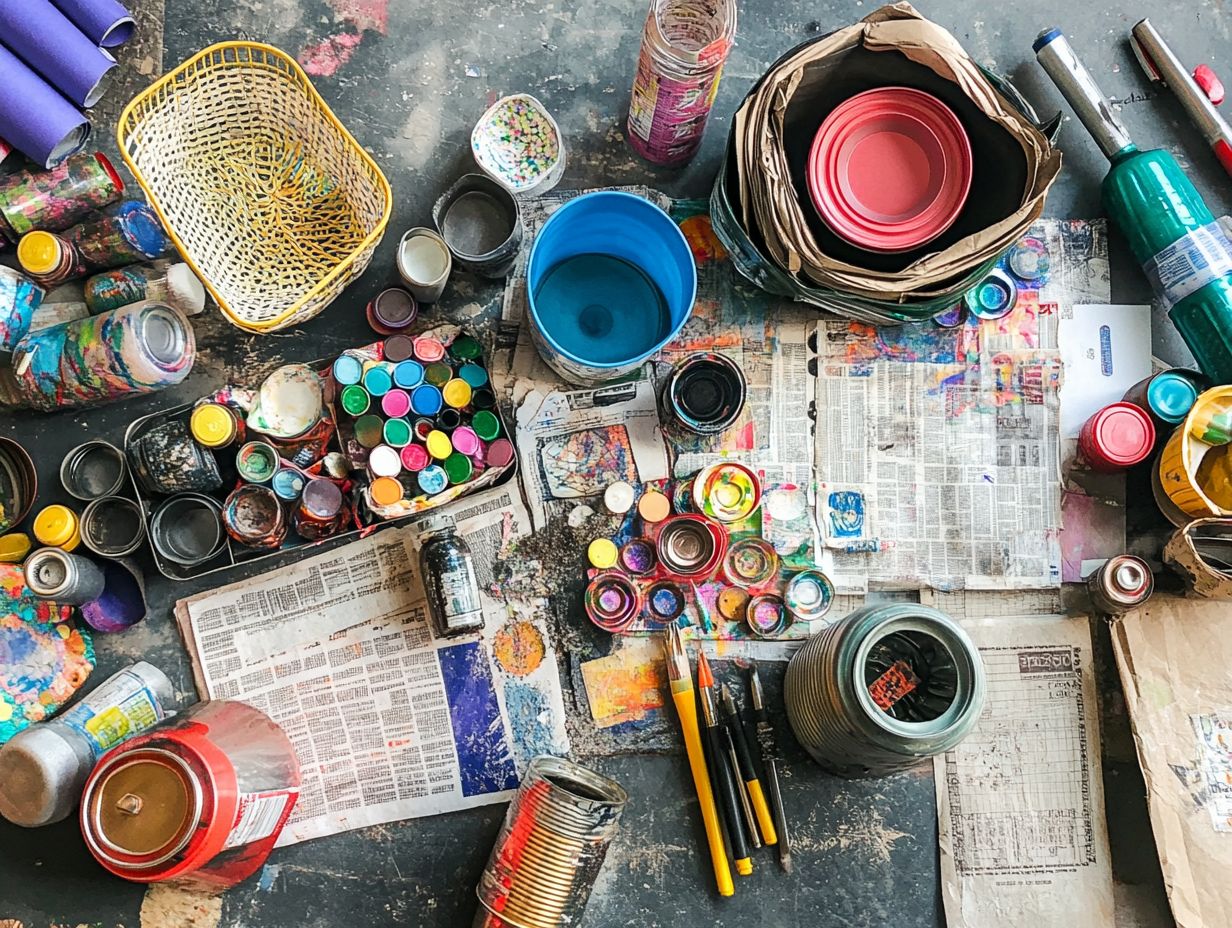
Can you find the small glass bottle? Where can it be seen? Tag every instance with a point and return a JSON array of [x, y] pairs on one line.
[[449, 576]]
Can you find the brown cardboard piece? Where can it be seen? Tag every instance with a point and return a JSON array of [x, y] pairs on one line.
[[1173, 655]]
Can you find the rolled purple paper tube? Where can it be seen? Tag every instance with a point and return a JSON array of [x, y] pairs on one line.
[[34, 117], [44, 38], [105, 22]]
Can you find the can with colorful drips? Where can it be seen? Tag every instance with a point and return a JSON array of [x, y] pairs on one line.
[[59, 198]]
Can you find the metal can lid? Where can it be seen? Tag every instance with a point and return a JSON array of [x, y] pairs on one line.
[[143, 805], [213, 425], [39, 252], [57, 526], [40, 777]]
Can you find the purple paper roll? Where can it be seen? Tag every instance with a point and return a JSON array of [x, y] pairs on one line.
[[34, 117], [105, 22], [44, 38]]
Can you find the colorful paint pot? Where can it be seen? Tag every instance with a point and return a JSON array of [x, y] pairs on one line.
[[257, 462], [458, 468], [611, 280], [602, 553], [93, 470], [439, 445], [347, 369], [424, 264], [253, 517], [1028, 261], [432, 479], [483, 398], [397, 433], [654, 507], [391, 311], [428, 349], [637, 557], [423, 428], [438, 374], [408, 374], [481, 222], [384, 461], [288, 484], [665, 602], [415, 458], [1167, 396], [18, 483], [369, 430], [751, 562], [396, 403], [1117, 437], [993, 297], [398, 348], [320, 511], [465, 441], [457, 393], [474, 375], [466, 348], [690, 546], [767, 615], [355, 400], [289, 403], [57, 527], [705, 393], [449, 420], [426, 400], [612, 601], [113, 526], [122, 603], [486, 425], [727, 492], [187, 530], [385, 491], [214, 425], [500, 453], [377, 380], [809, 595], [619, 497]]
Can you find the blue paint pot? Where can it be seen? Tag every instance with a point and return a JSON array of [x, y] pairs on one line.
[[611, 281]]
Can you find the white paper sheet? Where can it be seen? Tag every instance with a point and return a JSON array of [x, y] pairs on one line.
[[1106, 349]]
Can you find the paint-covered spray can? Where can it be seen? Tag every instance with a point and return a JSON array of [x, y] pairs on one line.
[[173, 284], [44, 768], [130, 351], [133, 233], [705, 393], [452, 586], [685, 44], [19, 298], [59, 577], [551, 847], [199, 800], [61, 197], [168, 460], [1119, 584], [1167, 395], [1117, 437]]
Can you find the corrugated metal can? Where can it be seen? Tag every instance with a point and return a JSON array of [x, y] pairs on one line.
[[1120, 584], [550, 848]]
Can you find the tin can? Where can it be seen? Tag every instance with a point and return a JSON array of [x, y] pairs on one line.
[[288, 483], [481, 222], [612, 601], [424, 264], [766, 615], [168, 460], [93, 470], [690, 546], [392, 311], [452, 586], [705, 393], [665, 601], [727, 492], [18, 484], [257, 462], [1167, 395], [809, 595], [44, 768], [1120, 584], [199, 800], [253, 517], [685, 44], [751, 562], [1117, 437], [993, 297], [320, 512], [57, 576], [187, 529], [638, 557], [550, 848]]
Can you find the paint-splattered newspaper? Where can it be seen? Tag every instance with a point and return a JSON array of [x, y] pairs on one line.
[[388, 722]]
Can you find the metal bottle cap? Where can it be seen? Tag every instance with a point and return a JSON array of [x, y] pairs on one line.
[[41, 776], [39, 252], [164, 334]]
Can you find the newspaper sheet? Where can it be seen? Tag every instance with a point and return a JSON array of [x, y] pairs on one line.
[[1020, 802], [388, 722], [1173, 656]]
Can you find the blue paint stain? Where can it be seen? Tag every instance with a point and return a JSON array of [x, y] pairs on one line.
[[483, 753], [846, 514], [1105, 350], [269, 873], [527, 708]]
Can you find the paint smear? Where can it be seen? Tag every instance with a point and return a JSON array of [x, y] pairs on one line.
[[483, 753], [166, 906], [325, 58], [269, 873], [519, 648], [627, 685], [364, 14], [530, 719]]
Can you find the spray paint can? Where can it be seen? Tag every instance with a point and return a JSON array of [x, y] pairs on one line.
[[452, 586], [60, 577], [199, 800], [132, 234], [1117, 437], [173, 284], [1121, 583], [44, 768], [59, 198]]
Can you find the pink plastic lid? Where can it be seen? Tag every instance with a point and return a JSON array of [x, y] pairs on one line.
[[890, 169], [396, 403], [415, 457], [1119, 435]]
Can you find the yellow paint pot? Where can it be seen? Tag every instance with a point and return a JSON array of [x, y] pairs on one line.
[[1198, 487]]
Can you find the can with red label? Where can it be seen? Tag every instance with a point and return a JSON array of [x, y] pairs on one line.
[[199, 800], [1117, 437]]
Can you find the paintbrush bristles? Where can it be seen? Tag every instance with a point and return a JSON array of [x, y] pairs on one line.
[[704, 677], [727, 700], [677, 658]]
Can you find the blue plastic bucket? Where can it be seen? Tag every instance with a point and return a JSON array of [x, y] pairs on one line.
[[611, 281]]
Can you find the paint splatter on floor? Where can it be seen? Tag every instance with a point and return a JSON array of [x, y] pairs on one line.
[[168, 907], [326, 58], [269, 874], [519, 648], [364, 14]]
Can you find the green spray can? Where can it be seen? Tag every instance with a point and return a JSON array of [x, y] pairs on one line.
[[1171, 233]]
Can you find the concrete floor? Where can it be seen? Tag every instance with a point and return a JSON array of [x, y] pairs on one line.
[[410, 91]]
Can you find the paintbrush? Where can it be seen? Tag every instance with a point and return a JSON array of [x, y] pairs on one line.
[[680, 677], [725, 779], [770, 761], [748, 772]]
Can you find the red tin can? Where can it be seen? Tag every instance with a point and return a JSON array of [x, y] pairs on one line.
[[198, 800], [1117, 437]]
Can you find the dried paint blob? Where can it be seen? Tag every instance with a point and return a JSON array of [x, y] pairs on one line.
[[519, 648], [618, 498], [809, 595], [751, 562], [638, 557], [733, 603], [767, 616], [289, 402], [1029, 262], [612, 601], [602, 553], [665, 601]]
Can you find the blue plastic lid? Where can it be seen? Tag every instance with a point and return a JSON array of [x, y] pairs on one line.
[[427, 400], [143, 229], [1045, 37], [1171, 396], [377, 381], [348, 369], [433, 479], [408, 374]]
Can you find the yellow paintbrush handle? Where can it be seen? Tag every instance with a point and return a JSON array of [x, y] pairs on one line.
[[761, 809], [687, 707]]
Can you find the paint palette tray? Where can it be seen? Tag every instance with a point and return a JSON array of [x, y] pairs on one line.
[[362, 509]]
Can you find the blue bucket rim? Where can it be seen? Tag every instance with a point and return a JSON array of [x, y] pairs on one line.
[[534, 248]]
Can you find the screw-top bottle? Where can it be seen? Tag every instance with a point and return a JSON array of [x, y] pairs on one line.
[[451, 584]]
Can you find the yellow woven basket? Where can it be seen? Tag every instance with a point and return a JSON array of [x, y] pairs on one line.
[[267, 196]]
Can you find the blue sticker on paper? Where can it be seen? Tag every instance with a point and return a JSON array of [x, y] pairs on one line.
[[1105, 350], [846, 509]]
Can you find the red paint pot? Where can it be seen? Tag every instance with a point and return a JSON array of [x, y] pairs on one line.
[[890, 169], [199, 799], [1117, 437]]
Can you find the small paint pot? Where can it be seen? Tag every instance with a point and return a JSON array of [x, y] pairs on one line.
[[320, 512], [613, 601], [187, 530], [483, 399], [953, 317], [347, 369], [397, 433], [18, 483], [500, 453], [423, 428], [637, 557], [481, 223], [408, 374], [398, 348], [386, 491], [369, 430], [355, 400], [214, 426], [993, 297], [602, 553], [733, 603], [1167, 396], [167, 460], [391, 311], [288, 484], [809, 595], [385, 461], [57, 527], [457, 393], [1028, 261], [474, 375], [751, 562], [654, 507], [767, 615], [438, 374], [465, 441], [377, 380], [426, 400], [424, 264], [396, 403], [665, 602], [486, 424], [458, 468], [727, 492], [113, 526], [704, 394], [93, 470], [449, 420], [253, 517], [432, 479], [122, 603], [439, 445], [429, 349], [1116, 438], [466, 348], [257, 462], [415, 458], [619, 497]]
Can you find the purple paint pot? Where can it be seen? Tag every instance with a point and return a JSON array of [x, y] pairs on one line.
[[638, 557], [122, 603], [392, 310]]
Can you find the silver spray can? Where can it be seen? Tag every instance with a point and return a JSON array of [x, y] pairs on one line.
[[68, 579], [1120, 584], [43, 769]]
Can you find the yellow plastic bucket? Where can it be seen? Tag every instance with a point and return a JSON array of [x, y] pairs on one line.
[[1183, 454]]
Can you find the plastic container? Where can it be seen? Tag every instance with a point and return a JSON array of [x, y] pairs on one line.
[[518, 144], [1117, 437]]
